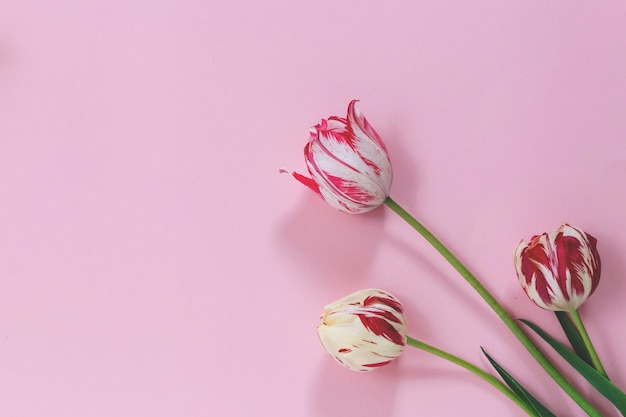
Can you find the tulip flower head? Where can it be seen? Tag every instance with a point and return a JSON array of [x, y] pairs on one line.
[[558, 270], [348, 163], [365, 330]]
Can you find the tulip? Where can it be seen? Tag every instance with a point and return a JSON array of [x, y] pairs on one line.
[[364, 330], [367, 330], [348, 163], [559, 270]]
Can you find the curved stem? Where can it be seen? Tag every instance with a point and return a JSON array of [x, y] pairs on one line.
[[475, 370], [595, 359], [497, 308]]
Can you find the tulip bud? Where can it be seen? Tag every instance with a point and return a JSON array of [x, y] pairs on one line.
[[365, 330], [558, 270], [348, 163]]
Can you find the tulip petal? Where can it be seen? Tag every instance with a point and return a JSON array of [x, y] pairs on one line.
[[368, 144], [361, 127], [304, 180]]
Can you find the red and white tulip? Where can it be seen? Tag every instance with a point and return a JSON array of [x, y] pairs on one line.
[[365, 330], [558, 270], [348, 163]]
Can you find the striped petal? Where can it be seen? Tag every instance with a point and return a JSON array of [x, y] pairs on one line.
[[369, 146]]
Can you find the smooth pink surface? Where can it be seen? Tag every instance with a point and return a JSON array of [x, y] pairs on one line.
[[154, 263]]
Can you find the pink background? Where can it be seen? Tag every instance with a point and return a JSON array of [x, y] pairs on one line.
[[154, 263]]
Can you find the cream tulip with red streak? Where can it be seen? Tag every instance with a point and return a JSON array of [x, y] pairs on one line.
[[558, 270], [364, 330], [348, 163]]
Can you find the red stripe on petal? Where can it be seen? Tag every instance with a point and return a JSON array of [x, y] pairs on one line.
[[371, 300], [350, 189], [382, 327], [376, 365], [372, 165], [387, 315]]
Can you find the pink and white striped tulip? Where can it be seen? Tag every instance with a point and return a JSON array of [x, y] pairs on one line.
[[348, 163], [364, 330], [558, 270]]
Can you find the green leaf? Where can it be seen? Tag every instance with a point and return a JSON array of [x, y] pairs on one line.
[[603, 385], [574, 337], [518, 389]]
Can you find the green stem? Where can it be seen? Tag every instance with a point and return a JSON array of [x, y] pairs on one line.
[[475, 370], [595, 359], [497, 308]]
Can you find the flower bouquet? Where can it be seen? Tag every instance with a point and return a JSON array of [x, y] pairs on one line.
[[350, 169]]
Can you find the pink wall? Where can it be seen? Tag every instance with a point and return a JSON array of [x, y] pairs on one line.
[[154, 263]]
